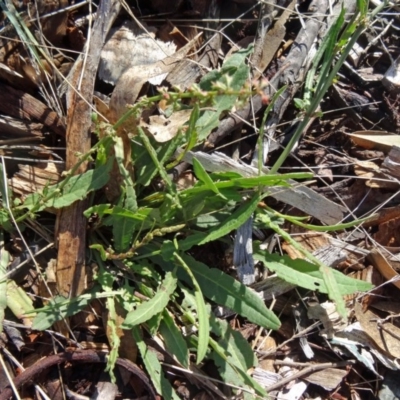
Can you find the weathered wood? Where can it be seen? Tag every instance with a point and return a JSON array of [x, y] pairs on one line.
[[19, 104], [33, 178], [71, 273], [19, 130]]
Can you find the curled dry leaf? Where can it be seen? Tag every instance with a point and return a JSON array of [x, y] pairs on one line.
[[329, 378], [131, 81], [378, 140], [130, 46], [384, 333], [163, 129]]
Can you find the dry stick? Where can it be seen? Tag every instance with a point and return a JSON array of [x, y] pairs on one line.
[[80, 356], [306, 371], [71, 272]]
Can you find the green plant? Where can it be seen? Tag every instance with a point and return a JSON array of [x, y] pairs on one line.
[[150, 238], [332, 53]]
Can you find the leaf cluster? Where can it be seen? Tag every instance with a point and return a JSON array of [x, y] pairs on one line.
[[149, 235]]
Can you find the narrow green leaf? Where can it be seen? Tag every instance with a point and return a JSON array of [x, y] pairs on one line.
[[191, 133], [161, 170], [174, 341], [130, 202], [146, 310], [333, 289], [307, 275], [228, 292], [153, 368], [3, 186], [202, 175], [114, 338], [248, 183], [238, 218], [145, 168], [123, 228], [202, 315], [18, 300]]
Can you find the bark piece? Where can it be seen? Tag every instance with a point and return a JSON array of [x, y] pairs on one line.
[[32, 179], [19, 104], [71, 273]]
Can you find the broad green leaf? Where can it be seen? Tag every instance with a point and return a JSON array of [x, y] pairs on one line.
[[155, 305], [60, 307], [238, 218], [232, 222], [232, 373], [123, 229], [153, 324], [174, 341], [233, 343], [100, 209], [333, 289], [72, 189], [307, 275], [232, 75], [5, 220], [153, 368], [207, 221], [228, 292]]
